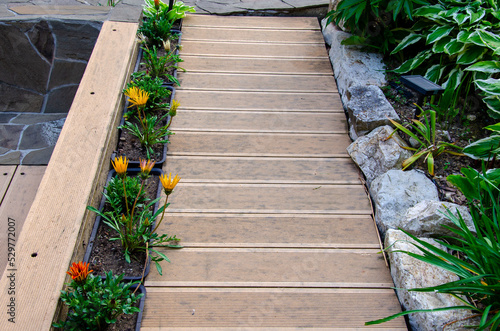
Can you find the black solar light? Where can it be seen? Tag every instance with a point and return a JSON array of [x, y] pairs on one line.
[[170, 4], [422, 86]]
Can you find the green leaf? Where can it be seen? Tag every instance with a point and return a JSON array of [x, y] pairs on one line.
[[494, 128], [434, 73], [471, 54], [463, 36], [476, 14], [407, 41], [489, 39], [454, 47], [383, 320], [493, 103], [483, 148], [438, 33], [474, 38], [490, 85], [460, 18], [439, 45], [485, 66]]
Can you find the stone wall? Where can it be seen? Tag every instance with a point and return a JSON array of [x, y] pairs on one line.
[[41, 65]]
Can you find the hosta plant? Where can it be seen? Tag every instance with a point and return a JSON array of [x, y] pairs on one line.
[[153, 9], [424, 133], [486, 149]]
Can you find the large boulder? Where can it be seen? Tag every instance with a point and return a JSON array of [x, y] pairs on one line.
[[368, 109], [352, 66], [396, 191], [426, 218], [375, 154], [408, 273]]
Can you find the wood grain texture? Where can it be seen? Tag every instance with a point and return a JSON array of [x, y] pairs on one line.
[[259, 122], [172, 309], [58, 220], [263, 170], [271, 230], [6, 175], [260, 101], [249, 22]]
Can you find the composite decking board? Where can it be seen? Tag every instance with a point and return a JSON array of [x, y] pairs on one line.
[[251, 82], [317, 67], [270, 122], [258, 144], [249, 22], [274, 36], [58, 218], [302, 231], [240, 170], [6, 174], [259, 101], [270, 198], [247, 49], [172, 309], [272, 267], [17, 203]]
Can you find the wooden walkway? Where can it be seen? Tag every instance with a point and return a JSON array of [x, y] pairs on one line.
[[276, 225]]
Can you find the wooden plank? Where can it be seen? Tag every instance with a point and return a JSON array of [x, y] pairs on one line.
[[257, 170], [251, 82], [316, 67], [17, 203], [224, 48], [272, 267], [249, 22], [265, 122], [261, 101], [270, 198], [175, 309], [6, 175], [58, 224], [276, 36], [259, 144], [271, 230]]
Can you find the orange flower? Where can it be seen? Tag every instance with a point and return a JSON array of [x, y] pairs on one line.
[[157, 4], [79, 271], [146, 167], [120, 164], [169, 182]]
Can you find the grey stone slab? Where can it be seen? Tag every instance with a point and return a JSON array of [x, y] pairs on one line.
[[75, 40], [41, 36], [3, 150], [15, 99], [126, 12], [38, 157], [20, 64], [42, 135], [308, 3], [9, 135], [5, 118], [29, 119], [66, 72], [60, 99], [59, 9], [11, 158]]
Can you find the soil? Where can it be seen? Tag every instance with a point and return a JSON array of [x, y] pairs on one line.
[[460, 131], [161, 52], [125, 322], [108, 254]]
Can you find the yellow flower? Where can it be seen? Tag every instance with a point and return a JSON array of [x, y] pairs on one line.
[[146, 167], [79, 271], [173, 108], [166, 45], [120, 164], [169, 183], [137, 97]]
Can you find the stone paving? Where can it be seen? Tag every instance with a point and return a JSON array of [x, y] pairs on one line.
[[44, 49]]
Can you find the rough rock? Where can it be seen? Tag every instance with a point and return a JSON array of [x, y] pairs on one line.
[[426, 218], [41, 37], [60, 99], [28, 119], [60, 69], [352, 66], [38, 157], [408, 272], [394, 192], [6, 118], [375, 155], [368, 108], [9, 135], [16, 99], [11, 158], [20, 64]]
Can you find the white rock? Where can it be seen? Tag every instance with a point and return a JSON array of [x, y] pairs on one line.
[[408, 272], [426, 218], [394, 192], [375, 154]]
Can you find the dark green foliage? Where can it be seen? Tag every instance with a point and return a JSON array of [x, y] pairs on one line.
[[116, 198], [154, 86]]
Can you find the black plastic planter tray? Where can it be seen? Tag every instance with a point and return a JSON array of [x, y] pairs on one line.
[[135, 163], [97, 224], [142, 290]]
